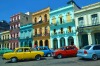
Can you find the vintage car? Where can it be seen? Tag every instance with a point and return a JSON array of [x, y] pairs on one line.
[[23, 53], [89, 52], [65, 52], [5, 50], [46, 50]]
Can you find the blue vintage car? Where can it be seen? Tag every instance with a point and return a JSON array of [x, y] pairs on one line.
[[89, 52], [46, 50]]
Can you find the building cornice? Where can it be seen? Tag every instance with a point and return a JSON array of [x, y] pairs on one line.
[[89, 7], [43, 10]]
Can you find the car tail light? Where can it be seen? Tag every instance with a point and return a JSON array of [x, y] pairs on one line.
[[85, 52]]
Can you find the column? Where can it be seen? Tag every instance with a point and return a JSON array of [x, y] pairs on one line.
[[9, 45], [43, 42], [66, 41], [89, 38], [38, 42], [99, 17], [76, 42], [51, 43], [58, 42]]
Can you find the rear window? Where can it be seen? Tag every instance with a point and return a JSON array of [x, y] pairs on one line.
[[86, 47]]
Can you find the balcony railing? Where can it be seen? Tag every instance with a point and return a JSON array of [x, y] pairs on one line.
[[63, 22], [61, 33], [39, 35]]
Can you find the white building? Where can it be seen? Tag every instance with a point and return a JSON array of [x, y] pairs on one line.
[[87, 22]]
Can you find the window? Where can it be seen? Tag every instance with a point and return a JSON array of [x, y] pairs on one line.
[[61, 30], [81, 22], [54, 20], [61, 20], [96, 48], [68, 17], [94, 19], [86, 47], [45, 17], [69, 29], [54, 31], [35, 19], [26, 50], [26, 18], [20, 50]]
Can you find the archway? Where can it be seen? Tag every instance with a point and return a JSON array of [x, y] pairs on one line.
[[41, 43], [36, 43], [62, 42], [70, 40], [30, 44], [55, 43], [46, 43]]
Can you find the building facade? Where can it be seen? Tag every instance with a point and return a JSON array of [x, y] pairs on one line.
[[88, 25], [41, 34], [16, 21], [4, 26], [62, 26], [5, 37], [26, 35], [14, 30]]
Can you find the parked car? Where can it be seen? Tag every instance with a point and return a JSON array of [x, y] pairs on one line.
[[65, 52], [46, 50], [5, 50], [89, 52], [23, 53]]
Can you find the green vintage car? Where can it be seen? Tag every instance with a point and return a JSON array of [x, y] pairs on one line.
[[5, 50]]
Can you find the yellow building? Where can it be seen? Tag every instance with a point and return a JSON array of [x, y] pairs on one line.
[[41, 29], [5, 36]]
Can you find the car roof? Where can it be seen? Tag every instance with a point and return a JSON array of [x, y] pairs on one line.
[[94, 45], [22, 47]]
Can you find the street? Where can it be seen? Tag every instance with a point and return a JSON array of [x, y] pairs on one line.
[[49, 61]]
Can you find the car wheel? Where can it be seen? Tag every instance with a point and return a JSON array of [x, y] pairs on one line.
[[59, 56], [37, 57], [94, 57], [48, 55], [14, 59]]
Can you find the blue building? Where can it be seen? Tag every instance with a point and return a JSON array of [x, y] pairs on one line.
[[26, 33], [62, 26]]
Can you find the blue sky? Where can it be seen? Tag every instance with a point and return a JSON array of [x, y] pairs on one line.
[[11, 7]]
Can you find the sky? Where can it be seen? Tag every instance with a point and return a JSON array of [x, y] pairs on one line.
[[10, 7]]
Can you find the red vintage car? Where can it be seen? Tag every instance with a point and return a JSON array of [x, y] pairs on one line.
[[66, 51]]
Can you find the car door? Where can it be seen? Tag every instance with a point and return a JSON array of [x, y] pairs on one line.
[[27, 53], [19, 53], [96, 49]]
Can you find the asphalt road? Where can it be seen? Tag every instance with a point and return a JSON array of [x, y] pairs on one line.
[[49, 61]]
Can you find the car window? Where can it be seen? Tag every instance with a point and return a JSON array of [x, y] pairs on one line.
[[86, 47], [20, 50], [26, 50], [96, 47], [44, 48]]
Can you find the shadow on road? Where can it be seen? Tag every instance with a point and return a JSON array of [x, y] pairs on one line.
[[26, 60]]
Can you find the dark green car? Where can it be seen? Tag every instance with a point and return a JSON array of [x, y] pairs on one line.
[[5, 50]]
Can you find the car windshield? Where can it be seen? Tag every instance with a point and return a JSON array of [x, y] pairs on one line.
[[86, 47]]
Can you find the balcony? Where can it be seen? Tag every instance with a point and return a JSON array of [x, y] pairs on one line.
[[93, 24], [64, 22], [40, 24], [41, 37], [62, 33]]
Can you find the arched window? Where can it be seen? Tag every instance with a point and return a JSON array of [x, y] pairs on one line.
[[45, 17], [68, 17], [70, 40], [69, 29], [54, 20], [46, 43], [41, 43], [35, 19]]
